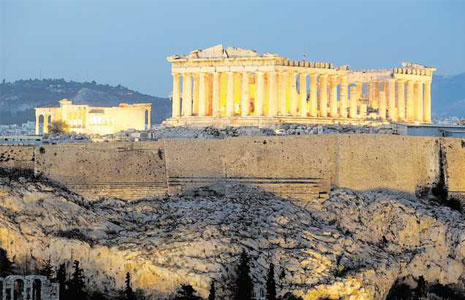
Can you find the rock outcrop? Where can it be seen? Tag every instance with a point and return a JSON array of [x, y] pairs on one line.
[[354, 245]]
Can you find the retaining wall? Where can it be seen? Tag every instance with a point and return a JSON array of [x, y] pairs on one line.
[[296, 167]]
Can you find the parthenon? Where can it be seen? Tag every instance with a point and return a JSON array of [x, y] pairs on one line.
[[233, 86]]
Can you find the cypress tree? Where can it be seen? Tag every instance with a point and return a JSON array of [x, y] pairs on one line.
[[243, 289], [76, 284], [212, 295], [270, 284], [6, 265], [61, 279], [187, 292], [47, 269], [128, 292]]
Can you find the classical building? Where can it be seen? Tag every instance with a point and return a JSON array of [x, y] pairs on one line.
[[232, 86], [32, 287], [94, 120]]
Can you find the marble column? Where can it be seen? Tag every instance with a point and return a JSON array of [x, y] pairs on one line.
[[391, 95], [333, 96], [282, 95], [303, 94], [195, 96], [230, 95], [216, 107], [410, 102], [245, 98], [259, 93], [202, 95], [382, 105], [376, 90], [313, 96], [359, 91], [293, 91], [187, 95], [418, 101], [353, 102], [323, 89], [45, 129], [343, 96], [176, 100], [371, 93], [427, 104], [273, 95], [400, 100], [37, 124]]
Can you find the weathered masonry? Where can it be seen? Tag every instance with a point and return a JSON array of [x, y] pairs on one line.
[[32, 287], [233, 86], [86, 119], [302, 168]]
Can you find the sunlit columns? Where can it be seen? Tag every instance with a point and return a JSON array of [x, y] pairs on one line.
[[323, 92], [427, 105], [230, 95], [343, 97], [202, 95], [272, 95], [195, 95], [176, 99], [400, 99], [216, 105], [45, 128], [376, 90], [303, 94], [371, 93], [187, 95], [418, 91], [358, 96], [245, 94], [391, 98], [353, 102], [259, 93], [313, 96], [282, 94], [410, 102], [333, 82], [382, 105], [293, 93]]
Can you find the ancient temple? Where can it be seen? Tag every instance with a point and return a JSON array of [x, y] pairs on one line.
[[85, 119], [231, 86]]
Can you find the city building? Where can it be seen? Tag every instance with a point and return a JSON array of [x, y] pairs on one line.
[[232, 86], [31, 287], [86, 119]]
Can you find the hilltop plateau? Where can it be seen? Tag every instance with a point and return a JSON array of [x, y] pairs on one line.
[[354, 245]]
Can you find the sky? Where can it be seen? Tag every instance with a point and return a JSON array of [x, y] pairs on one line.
[[127, 42]]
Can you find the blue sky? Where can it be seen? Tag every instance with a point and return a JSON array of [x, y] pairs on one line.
[[127, 42]]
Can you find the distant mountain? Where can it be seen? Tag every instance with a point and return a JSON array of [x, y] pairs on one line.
[[18, 99], [448, 93]]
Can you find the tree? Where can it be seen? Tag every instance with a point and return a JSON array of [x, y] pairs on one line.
[[128, 292], [212, 295], [271, 284], [61, 279], [76, 284], [47, 269], [243, 289], [6, 265], [186, 292], [58, 127], [421, 289]]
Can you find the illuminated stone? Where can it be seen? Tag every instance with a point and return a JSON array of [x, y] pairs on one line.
[[271, 94], [85, 119]]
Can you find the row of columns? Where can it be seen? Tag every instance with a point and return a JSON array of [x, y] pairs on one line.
[[323, 100]]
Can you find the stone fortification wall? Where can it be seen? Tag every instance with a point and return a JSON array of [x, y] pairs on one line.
[[297, 167], [17, 157]]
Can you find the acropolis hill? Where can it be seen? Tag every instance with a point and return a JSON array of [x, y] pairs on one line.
[[232, 86]]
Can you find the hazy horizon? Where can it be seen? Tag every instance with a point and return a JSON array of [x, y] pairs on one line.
[[127, 42]]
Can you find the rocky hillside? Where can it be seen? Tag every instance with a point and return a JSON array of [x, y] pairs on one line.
[[350, 246], [18, 99]]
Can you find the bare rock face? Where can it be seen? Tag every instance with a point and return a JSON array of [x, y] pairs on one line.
[[352, 246]]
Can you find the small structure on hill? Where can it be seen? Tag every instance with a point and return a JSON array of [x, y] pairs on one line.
[[32, 287], [86, 119], [231, 86]]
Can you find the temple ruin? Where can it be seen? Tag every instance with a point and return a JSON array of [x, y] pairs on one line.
[[232, 86], [32, 287], [86, 119]]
